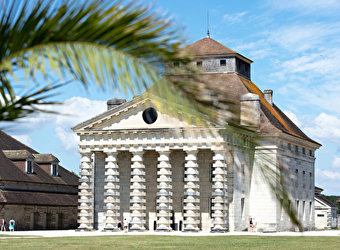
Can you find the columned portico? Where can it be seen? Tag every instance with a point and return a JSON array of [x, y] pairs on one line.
[[191, 201], [111, 194], [86, 193], [164, 194], [137, 192], [220, 191]]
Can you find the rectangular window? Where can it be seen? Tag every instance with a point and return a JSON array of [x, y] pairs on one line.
[[304, 179], [310, 211], [176, 64], [289, 146], [296, 149], [54, 169], [303, 210], [282, 209], [211, 172], [223, 63], [199, 63], [297, 207], [321, 215], [29, 167], [310, 180], [242, 208], [296, 178], [304, 151]]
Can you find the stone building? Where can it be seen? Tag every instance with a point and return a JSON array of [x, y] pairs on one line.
[[326, 212], [35, 190], [165, 174]]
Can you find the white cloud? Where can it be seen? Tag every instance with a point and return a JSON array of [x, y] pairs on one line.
[[25, 139], [303, 6], [234, 18], [336, 162], [256, 50], [69, 140], [324, 126], [292, 117], [326, 174], [71, 113]]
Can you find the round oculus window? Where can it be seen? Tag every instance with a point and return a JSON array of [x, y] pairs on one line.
[[149, 115]]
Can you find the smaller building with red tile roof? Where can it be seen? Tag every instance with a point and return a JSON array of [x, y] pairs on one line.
[[35, 190]]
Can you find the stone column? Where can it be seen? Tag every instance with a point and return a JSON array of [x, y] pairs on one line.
[[111, 193], [86, 194], [220, 191], [137, 194], [191, 202], [164, 194]]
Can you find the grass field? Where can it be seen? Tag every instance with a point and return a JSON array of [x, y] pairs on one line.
[[172, 242]]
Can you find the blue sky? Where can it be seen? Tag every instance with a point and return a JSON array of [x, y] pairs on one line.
[[295, 46]]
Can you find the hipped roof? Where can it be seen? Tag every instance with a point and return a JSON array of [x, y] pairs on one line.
[[9, 171]]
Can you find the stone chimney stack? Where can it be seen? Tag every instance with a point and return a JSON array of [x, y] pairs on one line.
[[268, 96], [250, 110], [115, 102]]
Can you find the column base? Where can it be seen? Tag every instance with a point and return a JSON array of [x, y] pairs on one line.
[[85, 230], [164, 230], [110, 230], [136, 230], [218, 231], [190, 230]]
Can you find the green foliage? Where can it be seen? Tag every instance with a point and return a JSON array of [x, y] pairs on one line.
[[113, 44], [333, 198]]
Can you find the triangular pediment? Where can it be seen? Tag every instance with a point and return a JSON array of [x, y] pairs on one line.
[[131, 116]]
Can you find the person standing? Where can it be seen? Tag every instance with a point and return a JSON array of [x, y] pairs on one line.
[[3, 225], [126, 224], [119, 225], [11, 225], [250, 224], [254, 225]]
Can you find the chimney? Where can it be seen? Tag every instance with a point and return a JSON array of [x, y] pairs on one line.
[[268, 95], [115, 102], [250, 110]]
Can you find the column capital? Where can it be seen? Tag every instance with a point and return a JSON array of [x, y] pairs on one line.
[[110, 151], [190, 150], [163, 149]]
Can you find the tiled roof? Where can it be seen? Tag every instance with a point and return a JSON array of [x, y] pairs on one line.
[[324, 200], [233, 85], [209, 47], [43, 158], [9, 171], [17, 154], [38, 198]]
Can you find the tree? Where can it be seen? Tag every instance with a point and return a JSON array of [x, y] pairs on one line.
[[97, 42], [115, 45]]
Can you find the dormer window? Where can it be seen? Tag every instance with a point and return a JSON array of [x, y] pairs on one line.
[[54, 169], [29, 166]]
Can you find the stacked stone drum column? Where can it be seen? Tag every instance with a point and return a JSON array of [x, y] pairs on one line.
[[111, 194], [220, 192], [191, 202], [86, 188], [164, 194], [137, 194]]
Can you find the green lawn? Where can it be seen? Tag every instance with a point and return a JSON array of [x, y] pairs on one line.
[[172, 242]]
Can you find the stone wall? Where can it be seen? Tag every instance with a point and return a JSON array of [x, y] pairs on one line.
[[40, 217]]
